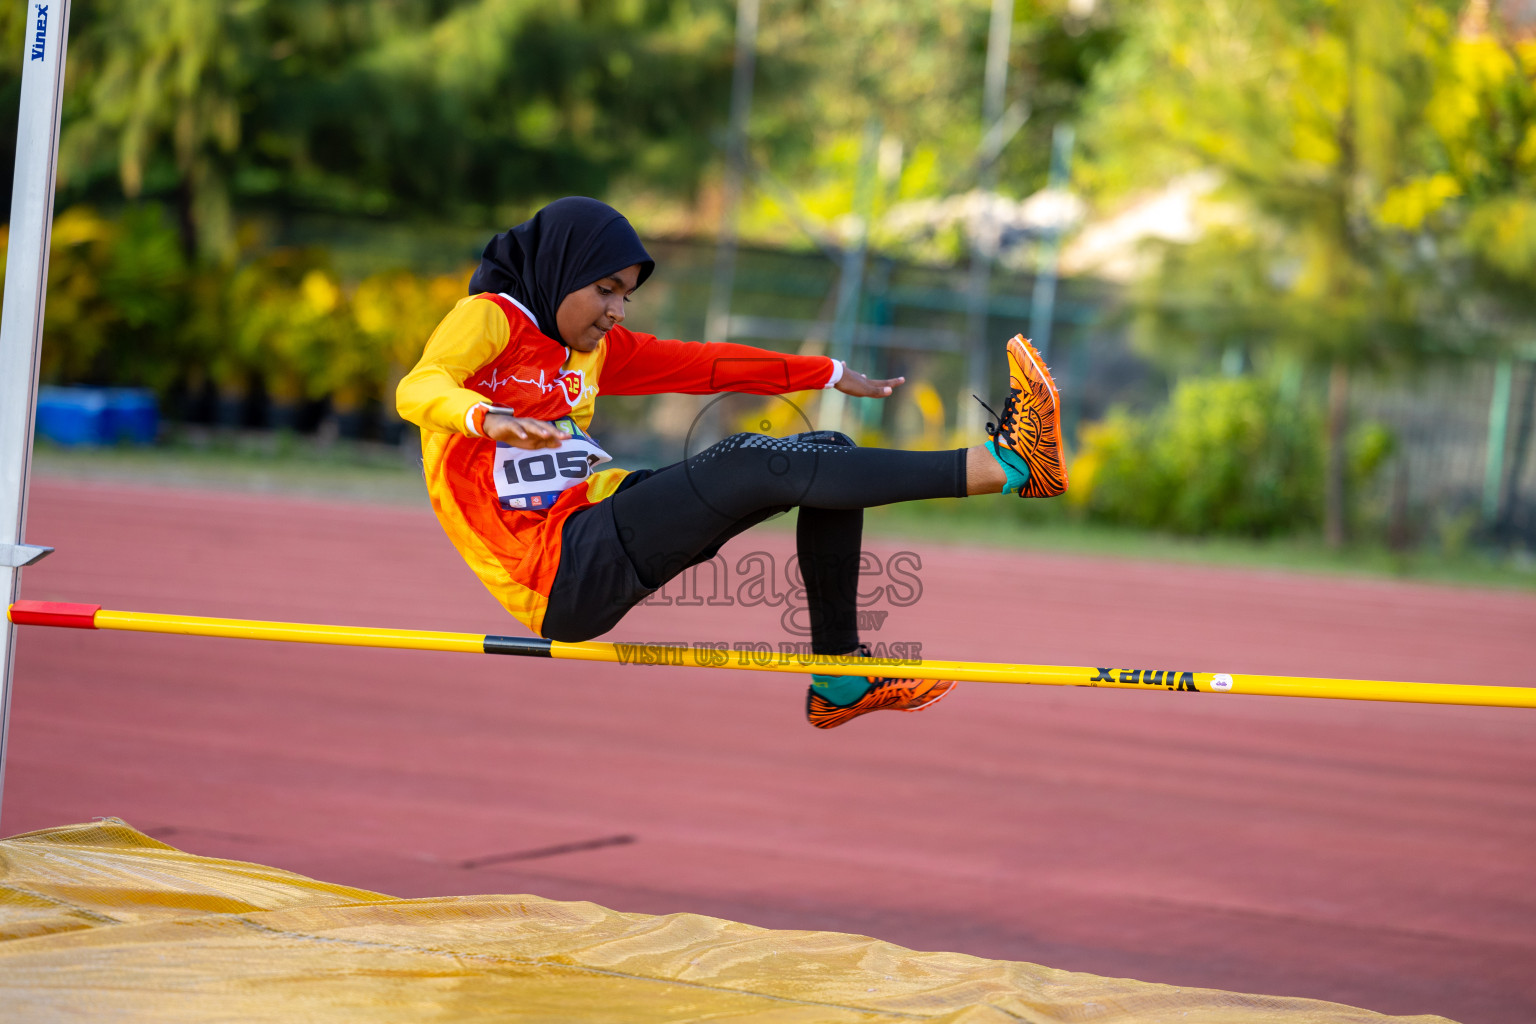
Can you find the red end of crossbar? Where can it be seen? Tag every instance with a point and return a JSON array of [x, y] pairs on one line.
[[54, 613]]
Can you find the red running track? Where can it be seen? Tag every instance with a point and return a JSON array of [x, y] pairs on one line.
[[1375, 854]]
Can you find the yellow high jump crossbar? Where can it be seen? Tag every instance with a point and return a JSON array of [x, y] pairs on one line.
[[762, 659]]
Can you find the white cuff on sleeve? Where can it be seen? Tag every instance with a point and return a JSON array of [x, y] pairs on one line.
[[837, 374], [469, 418]]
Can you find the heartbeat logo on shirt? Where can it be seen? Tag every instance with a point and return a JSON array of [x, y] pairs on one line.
[[570, 383]]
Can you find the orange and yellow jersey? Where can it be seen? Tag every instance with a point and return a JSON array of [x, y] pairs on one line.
[[489, 350]]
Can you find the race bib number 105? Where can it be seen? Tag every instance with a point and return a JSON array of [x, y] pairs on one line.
[[534, 479]]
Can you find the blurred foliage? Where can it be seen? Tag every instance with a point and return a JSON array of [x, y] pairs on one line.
[[832, 68], [1377, 161], [193, 131], [1374, 207], [469, 109], [124, 307], [1225, 455], [479, 110], [1312, 112], [118, 294]]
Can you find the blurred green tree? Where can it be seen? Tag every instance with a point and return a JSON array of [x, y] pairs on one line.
[[490, 106], [1223, 456], [1474, 198], [1316, 114], [831, 68], [476, 110], [159, 91], [117, 293], [466, 109]]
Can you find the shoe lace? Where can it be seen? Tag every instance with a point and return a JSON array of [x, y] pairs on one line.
[[1004, 424]]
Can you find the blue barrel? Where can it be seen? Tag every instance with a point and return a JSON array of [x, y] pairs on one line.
[[75, 416], [72, 416], [133, 415]]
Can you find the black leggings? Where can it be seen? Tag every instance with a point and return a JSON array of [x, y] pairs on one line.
[[680, 516]]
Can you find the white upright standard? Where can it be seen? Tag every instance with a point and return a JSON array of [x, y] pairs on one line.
[[26, 285]]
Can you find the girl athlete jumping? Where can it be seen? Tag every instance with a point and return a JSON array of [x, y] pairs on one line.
[[504, 394]]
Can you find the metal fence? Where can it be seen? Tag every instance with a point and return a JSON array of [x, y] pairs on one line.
[[1464, 461], [911, 321]]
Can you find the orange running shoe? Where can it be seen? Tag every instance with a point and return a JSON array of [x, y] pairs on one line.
[[1030, 427], [884, 694]]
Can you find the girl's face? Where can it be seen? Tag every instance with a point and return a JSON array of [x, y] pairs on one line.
[[588, 313]]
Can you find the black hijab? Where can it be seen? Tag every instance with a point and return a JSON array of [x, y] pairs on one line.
[[566, 246]]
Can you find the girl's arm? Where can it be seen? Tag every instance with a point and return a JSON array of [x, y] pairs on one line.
[[642, 364], [433, 395]]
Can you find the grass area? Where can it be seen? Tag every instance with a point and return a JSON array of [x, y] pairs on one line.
[[272, 464]]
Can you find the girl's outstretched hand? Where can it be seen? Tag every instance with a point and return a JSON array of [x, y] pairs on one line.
[[854, 383], [523, 432]]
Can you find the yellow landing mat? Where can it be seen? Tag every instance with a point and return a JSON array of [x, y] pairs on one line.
[[99, 922]]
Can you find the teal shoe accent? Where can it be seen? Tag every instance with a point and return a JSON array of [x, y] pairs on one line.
[[841, 690], [1013, 464]]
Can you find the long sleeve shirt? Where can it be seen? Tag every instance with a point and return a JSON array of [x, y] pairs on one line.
[[489, 351]]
